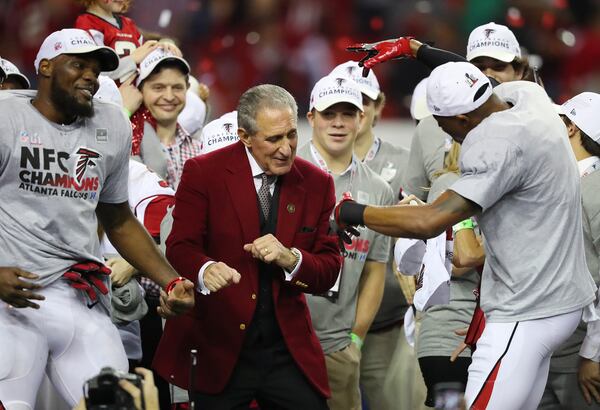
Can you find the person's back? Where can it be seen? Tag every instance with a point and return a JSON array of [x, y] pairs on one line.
[[527, 277]]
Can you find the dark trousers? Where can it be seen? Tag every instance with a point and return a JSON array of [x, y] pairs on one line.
[[439, 369], [268, 375]]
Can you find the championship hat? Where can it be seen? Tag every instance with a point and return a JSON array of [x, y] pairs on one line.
[[493, 40], [418, 102], [583, 110], [11, 70], [433, 282], [331, 90], [456, 88], [368, 85], [76, 41], [408, 254], [219, 133], [108, 90], [159, 56]]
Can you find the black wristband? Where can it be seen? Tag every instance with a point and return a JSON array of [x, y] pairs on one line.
[[433, 57], [351, 213]]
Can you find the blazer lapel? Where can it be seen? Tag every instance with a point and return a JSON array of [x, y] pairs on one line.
[[291, 205], [243, 193]]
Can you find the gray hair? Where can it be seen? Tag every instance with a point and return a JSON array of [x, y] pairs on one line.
[[259, 97]]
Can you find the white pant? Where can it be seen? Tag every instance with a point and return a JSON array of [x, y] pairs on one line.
[[510, 366], [64, 338]]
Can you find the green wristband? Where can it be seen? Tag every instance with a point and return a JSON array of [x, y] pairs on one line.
[[356, 340], [127, 112], [466, 224]]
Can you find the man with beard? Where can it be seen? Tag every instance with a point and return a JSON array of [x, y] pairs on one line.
[[64, 166]]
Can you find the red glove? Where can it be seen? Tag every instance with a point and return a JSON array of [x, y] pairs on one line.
[[343, 230], [382, 51], [87, 276]]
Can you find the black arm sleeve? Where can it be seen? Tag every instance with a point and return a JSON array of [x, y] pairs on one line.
[[433, 57]]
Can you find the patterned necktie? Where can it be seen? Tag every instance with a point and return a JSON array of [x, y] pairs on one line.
[[264, 193]]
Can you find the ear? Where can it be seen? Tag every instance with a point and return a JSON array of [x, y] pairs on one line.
[[310, 116], [45, 68], [244, 137], [464, 120]]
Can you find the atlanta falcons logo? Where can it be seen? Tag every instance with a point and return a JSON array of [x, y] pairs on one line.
[[350, 70], [488, 31], [340, 81], [227, 126], [86, 156]]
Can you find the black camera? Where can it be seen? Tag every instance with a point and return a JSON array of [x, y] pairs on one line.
[[103, 392]]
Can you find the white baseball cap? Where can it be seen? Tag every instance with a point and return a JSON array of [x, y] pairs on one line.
[[433, 284], [219, 133], [584, 111], [368, 85], [493, 40], [76, 41], [331, 90], [158, 56], [408, 254], [418, 102], [108, 91], [456, 88], [11, 70]]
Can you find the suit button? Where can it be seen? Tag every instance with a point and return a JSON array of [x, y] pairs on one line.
[[242, 326], [253, 296]]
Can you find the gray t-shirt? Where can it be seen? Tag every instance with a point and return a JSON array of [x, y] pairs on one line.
[[428, 148], [333, 318], [517, 165], [438, 323], [390, 163], [51, 178], [566, 358]]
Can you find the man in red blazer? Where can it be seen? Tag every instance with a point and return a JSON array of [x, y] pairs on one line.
[[253, 244]]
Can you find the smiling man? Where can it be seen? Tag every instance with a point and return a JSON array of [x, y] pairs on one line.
[[342, 315], [158, 140], [250, 228], [63, 169]]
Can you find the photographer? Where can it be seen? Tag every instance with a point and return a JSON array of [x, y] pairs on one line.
[[146, 398]]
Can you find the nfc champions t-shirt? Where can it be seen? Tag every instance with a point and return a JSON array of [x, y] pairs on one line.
[[333, 317], [517, 165], [52, 177]]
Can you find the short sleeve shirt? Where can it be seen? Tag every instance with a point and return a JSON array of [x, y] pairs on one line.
[[333, 319], [517, 165], [52, 177]]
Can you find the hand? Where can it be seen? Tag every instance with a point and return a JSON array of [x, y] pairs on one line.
[[589, 379], [131, 95], [169, 45], [142, 51], [462, 346], [269, 250], [178, 301], [411, 200], [203, 92], [149, 390], [382, 51], [408, 285], [122, 271], [16, 291], [218, 276]]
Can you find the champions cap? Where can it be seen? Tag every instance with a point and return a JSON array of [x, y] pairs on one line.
[[331, 90], [433, 283], [368, 85], [493, 40], [418, 102], [108, 91], [408, 254], [76, 41], [219, 133], [584, 111], [155, 58], [456, 88], [11, 70]]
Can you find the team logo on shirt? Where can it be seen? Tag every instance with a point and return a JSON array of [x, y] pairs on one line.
[[85, 160]]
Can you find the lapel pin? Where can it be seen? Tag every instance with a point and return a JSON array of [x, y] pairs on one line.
[[291, 208]]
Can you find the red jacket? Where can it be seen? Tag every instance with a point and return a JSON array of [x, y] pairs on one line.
[[216, 213]]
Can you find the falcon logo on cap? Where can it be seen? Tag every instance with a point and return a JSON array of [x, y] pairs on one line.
[[488, 31], [471, 80], [350, 69], [227, 126], [573, 112], [340, 81], [85, 159]]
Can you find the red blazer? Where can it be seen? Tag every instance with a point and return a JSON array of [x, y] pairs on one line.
[[216, 213]]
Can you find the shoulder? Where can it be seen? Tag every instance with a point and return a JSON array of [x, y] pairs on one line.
[[127, 23], [373, 181], [311, 172], [589, 193], [87, 20]]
